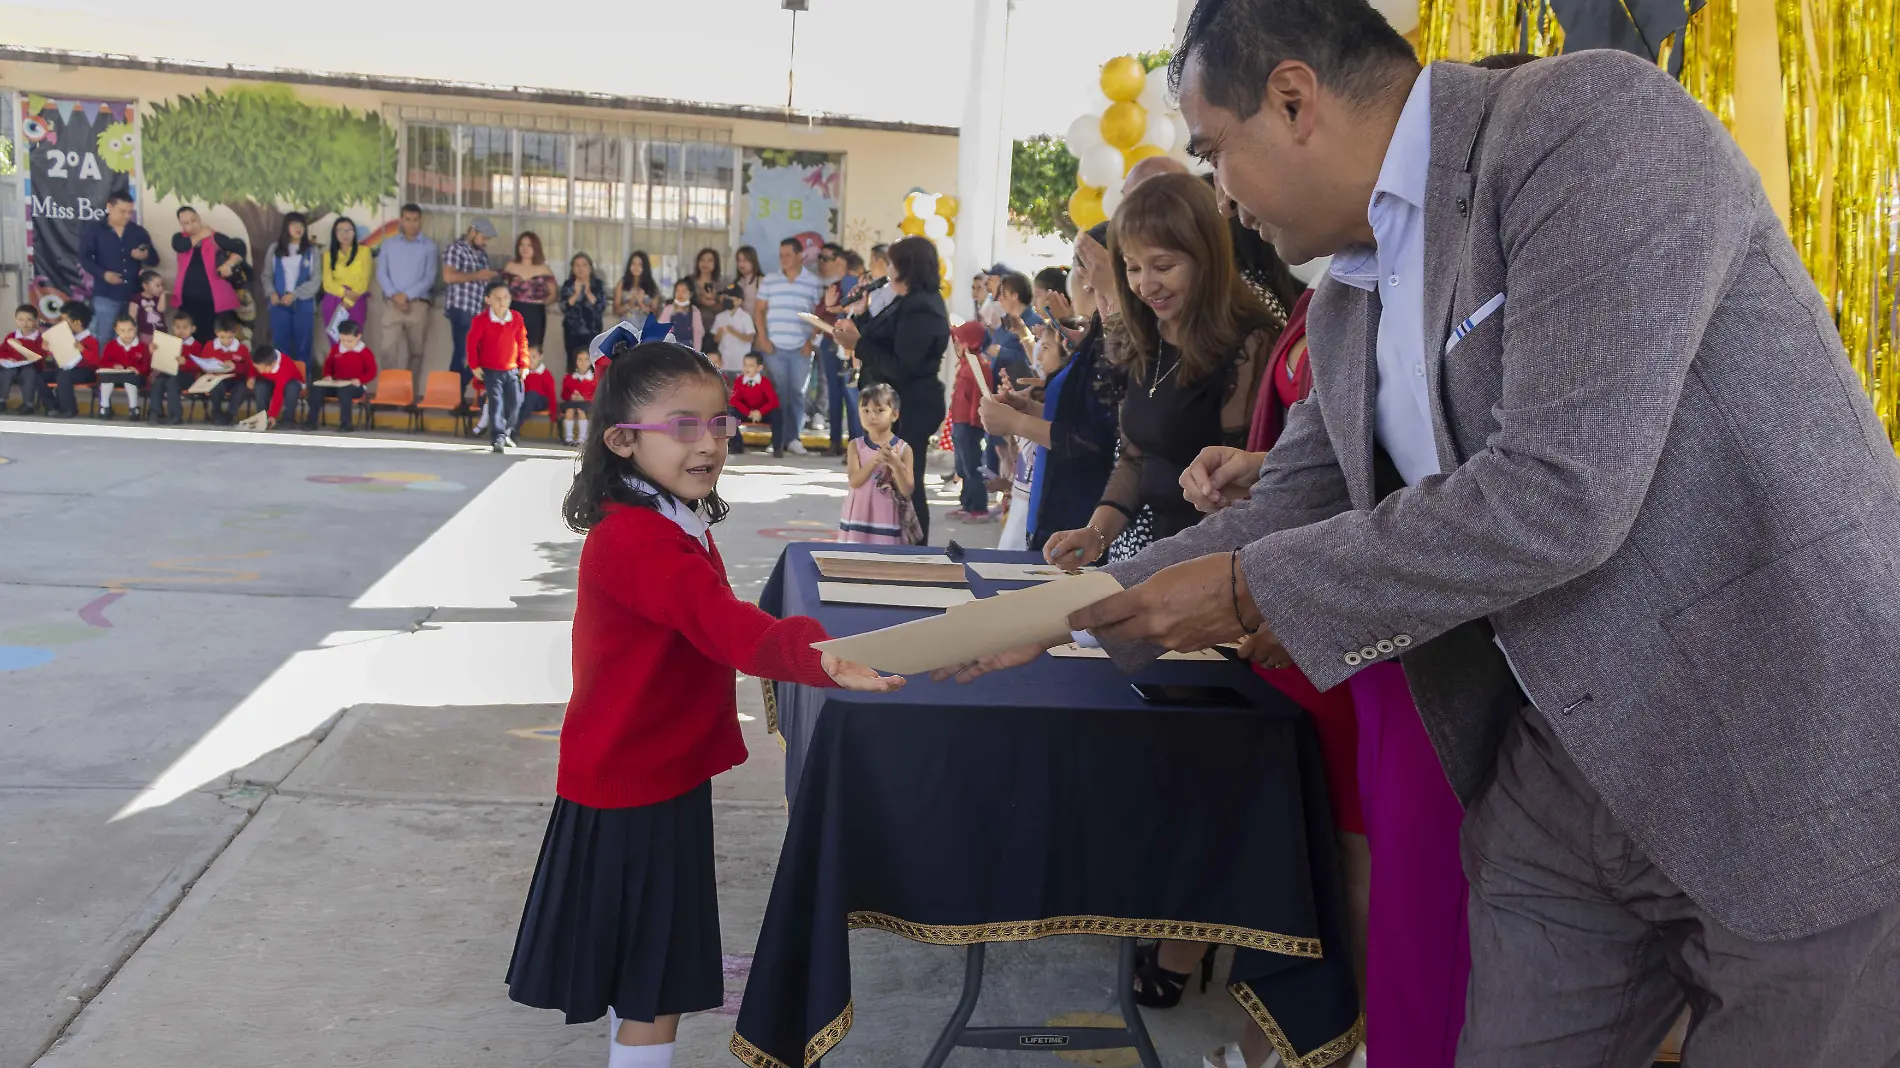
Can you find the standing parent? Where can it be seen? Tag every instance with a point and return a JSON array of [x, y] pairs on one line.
[[347, 269], [532, 285], [583, 299], [113, 251], [207, 260], [786, 340], [903, 347], [405, 270], [1623, 440], [291, 280], [465, 268]]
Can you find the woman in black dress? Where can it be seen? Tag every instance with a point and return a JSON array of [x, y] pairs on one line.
[[903, 346], [1193, 337]]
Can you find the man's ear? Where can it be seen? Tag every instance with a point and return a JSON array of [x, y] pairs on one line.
[[1289, 95]]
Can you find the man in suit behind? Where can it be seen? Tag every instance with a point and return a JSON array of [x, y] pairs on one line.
[[1576, 403]]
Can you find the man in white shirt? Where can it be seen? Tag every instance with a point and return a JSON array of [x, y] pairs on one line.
[[785, 339]]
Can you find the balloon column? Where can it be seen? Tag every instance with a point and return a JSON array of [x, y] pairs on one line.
[[933, 216], [1135, 121]]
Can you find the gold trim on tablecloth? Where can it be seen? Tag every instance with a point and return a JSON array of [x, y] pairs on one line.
[[1029, 930], [1331, 1053], [768, 690], [819, 1044]]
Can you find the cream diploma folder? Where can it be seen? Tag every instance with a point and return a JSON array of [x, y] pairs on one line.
[[976, 629]]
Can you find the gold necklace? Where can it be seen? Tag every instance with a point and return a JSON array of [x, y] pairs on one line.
[[1161, 350]]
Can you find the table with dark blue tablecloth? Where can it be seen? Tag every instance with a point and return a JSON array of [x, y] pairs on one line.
[[1042, 801]]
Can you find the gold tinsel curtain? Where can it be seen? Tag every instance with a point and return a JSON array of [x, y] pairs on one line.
[[1840, 77]]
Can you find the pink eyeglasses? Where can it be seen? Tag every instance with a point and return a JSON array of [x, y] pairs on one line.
[[688, 429]]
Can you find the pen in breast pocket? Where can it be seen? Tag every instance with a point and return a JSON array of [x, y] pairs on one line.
[[1471, 323]]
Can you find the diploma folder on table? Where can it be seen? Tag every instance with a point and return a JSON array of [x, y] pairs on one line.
[[166, 352], [972, 631], [205, 383]]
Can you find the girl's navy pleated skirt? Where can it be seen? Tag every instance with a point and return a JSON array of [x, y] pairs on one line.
[[623, 913]]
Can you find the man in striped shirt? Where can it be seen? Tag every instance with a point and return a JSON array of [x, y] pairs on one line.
[[786, 340]]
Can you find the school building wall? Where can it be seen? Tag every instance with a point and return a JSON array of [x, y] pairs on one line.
[[880, 163]]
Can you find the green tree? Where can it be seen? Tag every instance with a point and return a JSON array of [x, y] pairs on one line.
[[255, 148], [1041, 179]]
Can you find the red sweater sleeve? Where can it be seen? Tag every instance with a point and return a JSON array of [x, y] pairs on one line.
[[679, 588], [142, 359], [32, 345], [89, 352], [518, 341]]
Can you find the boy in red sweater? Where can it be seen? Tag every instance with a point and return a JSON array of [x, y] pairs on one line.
[[966, 428], [658, 638], [277, 382], [125, 361], [168, 389], [65, 402], [754, 400], [537, 390], [225, 355], [22, 358], [577, 397], [498, 349], [349, 374]]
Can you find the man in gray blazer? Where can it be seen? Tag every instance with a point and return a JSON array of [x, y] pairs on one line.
[[1576, 403]]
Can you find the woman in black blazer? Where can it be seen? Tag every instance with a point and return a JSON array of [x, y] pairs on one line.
[[903, 347]]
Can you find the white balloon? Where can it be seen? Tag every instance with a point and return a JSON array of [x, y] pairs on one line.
[[946, 246], [925, 207], [1160, 130], [936, 226], [1111, 199], [1154, 95], [1101, 167], [1084, 134]]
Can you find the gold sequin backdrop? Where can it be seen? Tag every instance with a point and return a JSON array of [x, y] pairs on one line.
[[1840, 80]]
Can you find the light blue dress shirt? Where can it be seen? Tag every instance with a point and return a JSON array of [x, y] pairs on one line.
[[1393, 271], [407, 267]]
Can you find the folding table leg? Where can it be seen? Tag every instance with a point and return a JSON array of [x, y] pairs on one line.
[[1131, 1012], [966, 1006]]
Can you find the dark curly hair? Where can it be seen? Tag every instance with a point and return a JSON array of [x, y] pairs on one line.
[[637, 376]]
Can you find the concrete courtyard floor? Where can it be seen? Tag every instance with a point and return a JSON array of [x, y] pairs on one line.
[[280, 714]]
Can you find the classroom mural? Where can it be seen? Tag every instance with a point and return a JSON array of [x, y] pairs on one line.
[[791, 194], [254, 148]]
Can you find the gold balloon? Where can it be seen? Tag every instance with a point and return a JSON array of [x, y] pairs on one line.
[[945, 287], [1124, 124], [953, 226], [912, 226], [1085, 206], [1137, 154], [947, 206], [1123, 78]]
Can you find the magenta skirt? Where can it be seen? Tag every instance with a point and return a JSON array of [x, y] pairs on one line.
[[1418, 942]]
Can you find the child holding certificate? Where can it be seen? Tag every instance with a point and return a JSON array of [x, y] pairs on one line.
[[22, 358], [622, 918]]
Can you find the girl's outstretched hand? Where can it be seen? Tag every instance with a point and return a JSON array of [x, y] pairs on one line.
[[858, 677]]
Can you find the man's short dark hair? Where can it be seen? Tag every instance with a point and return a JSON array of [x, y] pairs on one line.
[[792, 242], [853, 262], [1504, 61], [881, 252], [1353, 50], [183, 208], [118, 196], [1017, 283], [411, 208], [834, 248], [1054, 279]]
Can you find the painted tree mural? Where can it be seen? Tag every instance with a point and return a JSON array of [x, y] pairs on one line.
[[260, 151]]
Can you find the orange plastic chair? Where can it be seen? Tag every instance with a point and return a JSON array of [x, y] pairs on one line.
[[442, 392], [394, 389]]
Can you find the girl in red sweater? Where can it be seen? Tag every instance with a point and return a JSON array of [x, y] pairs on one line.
[[622, 914], [577, 396]]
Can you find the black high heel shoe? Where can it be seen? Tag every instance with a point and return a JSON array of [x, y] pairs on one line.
[[1157, 987]]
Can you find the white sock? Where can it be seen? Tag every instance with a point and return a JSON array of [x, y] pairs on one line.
[[660, 1056], [581, 438], [131, 397], [105, 396], [482, 423]]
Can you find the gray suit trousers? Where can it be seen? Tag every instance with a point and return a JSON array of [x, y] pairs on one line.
[[1584, 952]]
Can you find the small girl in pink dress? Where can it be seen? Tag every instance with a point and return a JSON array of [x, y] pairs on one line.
[[879, 465]]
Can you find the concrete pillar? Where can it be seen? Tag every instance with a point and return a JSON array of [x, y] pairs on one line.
[[982, 152]]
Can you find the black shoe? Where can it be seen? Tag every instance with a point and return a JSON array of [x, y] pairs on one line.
[[496, 446], [1157, 987], [778, 454], [64, 415], [178, 420], [105, 413], [346, 428]]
